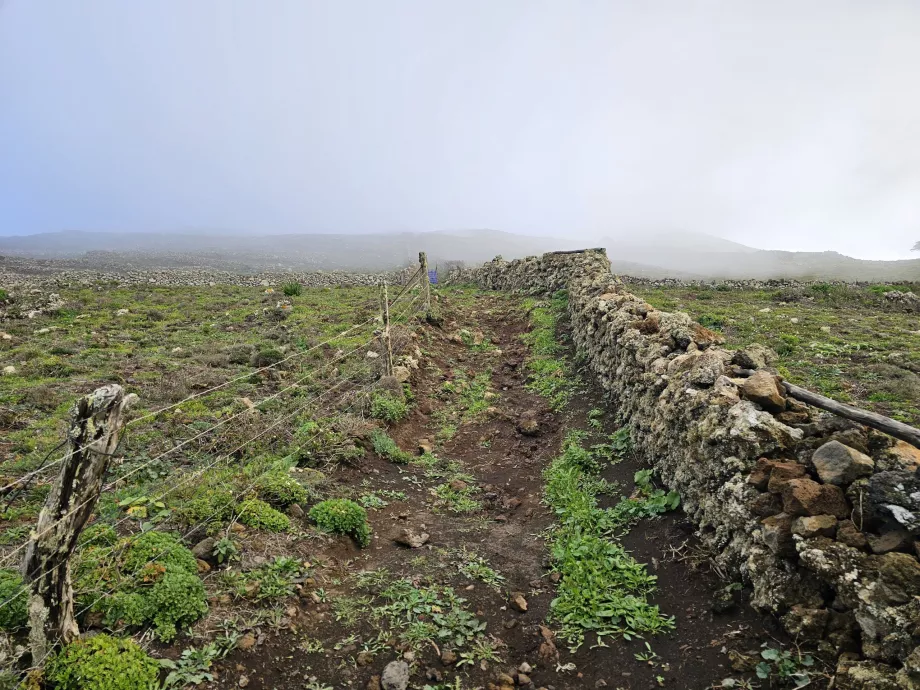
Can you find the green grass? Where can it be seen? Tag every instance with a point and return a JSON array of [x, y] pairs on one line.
[[386, 447], [550, 374], [846, 342], [603, 590]]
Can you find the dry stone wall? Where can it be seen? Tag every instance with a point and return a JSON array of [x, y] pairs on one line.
[[820, 516]]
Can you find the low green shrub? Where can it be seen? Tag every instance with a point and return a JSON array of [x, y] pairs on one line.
[[260, 515], [13, 612], [292, 289], [266, 357], [102, 662], [279, 488], [343, 516], [160, 548], [99, 534], [207, 504], [388, 408], [154, 582], [386, 447]]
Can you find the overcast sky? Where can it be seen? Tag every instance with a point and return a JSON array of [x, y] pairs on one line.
[[781, 124]]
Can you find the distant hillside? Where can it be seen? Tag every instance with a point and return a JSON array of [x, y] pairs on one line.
[[644, 254], [675, 255], [324, 251]]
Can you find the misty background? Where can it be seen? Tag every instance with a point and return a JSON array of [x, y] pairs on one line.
[[651, 128]]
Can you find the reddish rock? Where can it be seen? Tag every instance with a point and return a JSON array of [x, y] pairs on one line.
[[848, 533], [760, 475], [781, 473], [808, 497]]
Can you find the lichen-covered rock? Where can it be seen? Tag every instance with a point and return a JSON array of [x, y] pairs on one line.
[[865, 675], [755, 356], [841, 465], [897, 495], [816, 526]]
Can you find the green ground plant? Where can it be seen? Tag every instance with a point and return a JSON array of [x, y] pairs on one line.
[[258, 514], [152, 580], [789, 668], [343, 516], [549, 372], [102, 662], [422, 613], [13, 613], [388, 408], [603, 590], [386, 447]]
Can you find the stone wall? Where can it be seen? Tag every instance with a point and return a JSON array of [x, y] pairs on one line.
[[820, 516]]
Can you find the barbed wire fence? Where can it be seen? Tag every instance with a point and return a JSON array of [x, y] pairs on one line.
[[98, 421]]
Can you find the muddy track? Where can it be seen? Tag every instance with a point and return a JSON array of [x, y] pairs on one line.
[[506, 466]]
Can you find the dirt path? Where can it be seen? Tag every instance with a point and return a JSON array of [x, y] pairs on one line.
[[488, 548]]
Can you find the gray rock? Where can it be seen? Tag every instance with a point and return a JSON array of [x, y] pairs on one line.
[[841, 465], [755, 356], [395, 676], [410, 538], [896, 495], [204, 549]]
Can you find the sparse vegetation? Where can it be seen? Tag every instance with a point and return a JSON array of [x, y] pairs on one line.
[[550, 373], [845, 342], [292, 289], [386, 447]]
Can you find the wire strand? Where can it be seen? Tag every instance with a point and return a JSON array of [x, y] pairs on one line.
[[12, 553], [189, 398]]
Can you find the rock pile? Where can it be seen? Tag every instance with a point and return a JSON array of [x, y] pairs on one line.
[[819, 515]]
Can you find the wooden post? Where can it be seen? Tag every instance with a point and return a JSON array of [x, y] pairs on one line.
[[426, 282], [385, 311], [95, 423]]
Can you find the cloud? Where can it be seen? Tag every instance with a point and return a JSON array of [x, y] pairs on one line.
[[781, 125]]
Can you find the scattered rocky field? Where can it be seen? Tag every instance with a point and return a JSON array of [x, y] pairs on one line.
[[476, 520], [858, 344]]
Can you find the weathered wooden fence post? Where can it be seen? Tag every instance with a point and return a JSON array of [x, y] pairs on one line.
[[96, 421], [426, 282], [385, 312]]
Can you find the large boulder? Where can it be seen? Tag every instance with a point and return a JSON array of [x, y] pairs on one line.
[[841, 465]]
